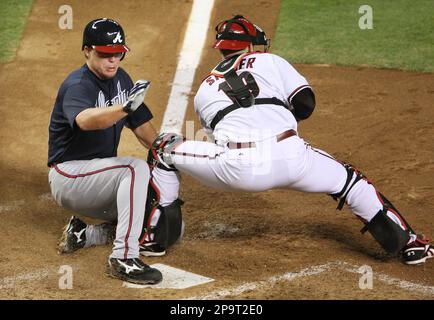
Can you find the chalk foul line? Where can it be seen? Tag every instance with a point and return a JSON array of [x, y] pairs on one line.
[[194, 41], [311, 271]]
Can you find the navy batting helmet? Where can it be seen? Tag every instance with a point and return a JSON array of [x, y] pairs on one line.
[[104, 35]]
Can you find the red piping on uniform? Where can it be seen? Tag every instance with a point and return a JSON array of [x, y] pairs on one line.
[[186, 154], [131, 192], [131, 211]]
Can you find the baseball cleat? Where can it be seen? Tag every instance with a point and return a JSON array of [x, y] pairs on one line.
[[418, 251], [133, 270], [151, 249], [73, 236]]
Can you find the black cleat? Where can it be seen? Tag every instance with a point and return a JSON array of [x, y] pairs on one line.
[[418, 251], [133, 270], [151, 249], [73, 236]]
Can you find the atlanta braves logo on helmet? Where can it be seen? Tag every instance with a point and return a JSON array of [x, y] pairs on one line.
[[118, 38]]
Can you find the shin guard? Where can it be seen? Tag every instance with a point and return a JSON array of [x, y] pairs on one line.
[[387, 233]]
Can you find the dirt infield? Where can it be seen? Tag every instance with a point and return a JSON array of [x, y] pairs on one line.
[[381, 121]]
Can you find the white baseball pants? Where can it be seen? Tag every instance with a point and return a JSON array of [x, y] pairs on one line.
[[288, 164]]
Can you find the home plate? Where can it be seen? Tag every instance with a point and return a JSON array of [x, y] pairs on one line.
[[173, 278]]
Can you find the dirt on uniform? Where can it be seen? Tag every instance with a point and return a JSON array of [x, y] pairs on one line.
[[381, 121]]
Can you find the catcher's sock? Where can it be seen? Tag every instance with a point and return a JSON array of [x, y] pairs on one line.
[[100, 234]]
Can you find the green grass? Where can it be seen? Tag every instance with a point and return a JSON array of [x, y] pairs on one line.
[[13, 16], [327, 31]]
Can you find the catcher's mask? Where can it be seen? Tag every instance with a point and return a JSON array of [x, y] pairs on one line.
[[105, 35], [238, 33]]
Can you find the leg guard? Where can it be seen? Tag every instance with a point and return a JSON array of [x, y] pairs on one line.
[[159, 153], [391, 207], [353, 177], [169, 227], [388, 226], [388, 234]]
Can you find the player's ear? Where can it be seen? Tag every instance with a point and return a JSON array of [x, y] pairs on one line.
[[86, 51]]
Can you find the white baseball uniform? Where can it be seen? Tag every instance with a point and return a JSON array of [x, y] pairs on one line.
[[248, 153]]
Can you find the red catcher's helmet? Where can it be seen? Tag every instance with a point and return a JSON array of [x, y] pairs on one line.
[[235, 34]]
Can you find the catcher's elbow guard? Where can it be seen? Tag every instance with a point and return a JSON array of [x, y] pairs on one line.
[[303, 103], [387, 233]]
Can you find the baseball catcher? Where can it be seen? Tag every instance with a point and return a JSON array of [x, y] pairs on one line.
[[250, 105]]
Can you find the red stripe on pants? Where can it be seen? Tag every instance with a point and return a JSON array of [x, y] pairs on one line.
[[82, 175]]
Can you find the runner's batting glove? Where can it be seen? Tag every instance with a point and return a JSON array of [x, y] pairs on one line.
[[136, 96]]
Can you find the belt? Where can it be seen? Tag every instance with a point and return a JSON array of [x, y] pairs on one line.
[[241, 145]]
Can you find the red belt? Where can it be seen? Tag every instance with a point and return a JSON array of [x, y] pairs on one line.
[[241, 145]]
